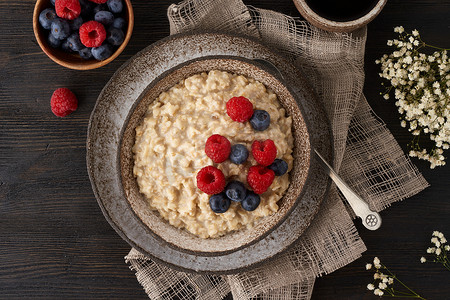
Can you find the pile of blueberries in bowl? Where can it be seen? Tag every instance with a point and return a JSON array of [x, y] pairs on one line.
[[89, 28]]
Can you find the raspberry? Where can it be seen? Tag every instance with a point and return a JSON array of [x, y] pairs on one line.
[[63, 102], [264, 152], [259, 178], [92, 34], [217, 148], [240, 109], [99, 1], [211, 180], [68, 9]]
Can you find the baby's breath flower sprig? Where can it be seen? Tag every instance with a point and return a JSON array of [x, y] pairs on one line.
[[384, 281], [439, 250], [420, 83]]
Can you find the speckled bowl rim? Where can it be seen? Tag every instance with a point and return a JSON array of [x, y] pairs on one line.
[[285, 207], [223, 264]]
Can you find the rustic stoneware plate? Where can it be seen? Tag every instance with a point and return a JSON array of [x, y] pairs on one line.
[[119, 109], [181, 239]]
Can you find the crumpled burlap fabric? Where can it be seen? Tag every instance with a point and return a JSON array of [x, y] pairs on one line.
[[366, 155]]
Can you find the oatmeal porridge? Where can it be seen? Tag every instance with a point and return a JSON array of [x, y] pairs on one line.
[[170, 150]]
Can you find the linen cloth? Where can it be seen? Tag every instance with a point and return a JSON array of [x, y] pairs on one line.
[[366, 156]]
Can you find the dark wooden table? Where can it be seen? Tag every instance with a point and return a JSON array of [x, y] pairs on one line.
[[54, 240]]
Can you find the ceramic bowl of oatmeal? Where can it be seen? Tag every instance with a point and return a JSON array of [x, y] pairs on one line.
[[163, 149], [132, 103]]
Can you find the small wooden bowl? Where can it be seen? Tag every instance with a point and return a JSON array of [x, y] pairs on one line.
[[74, 61]]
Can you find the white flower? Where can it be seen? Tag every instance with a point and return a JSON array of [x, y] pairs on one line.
[[443, 240], [447, 247], [431, 250], [423, 259], [438, 251], [370, 287], [391, 280], [378, 292], [386, 96], [399, 29], [376, 276], [377, 263], [368, 266], [382, 285], [435, 241], [415, 32]]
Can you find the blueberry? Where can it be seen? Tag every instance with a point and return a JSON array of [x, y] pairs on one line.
[[74, 42], [85, 53], [87, 9], [235, 191], [219, 203], [102, 52], [99, 7], [46, 17], [60, 28], [239, 154], [104, 17], [279, 167], [115, 36], [119, 23], [115, 6], [53, 42], [52, 2], [251, 201], [260, 120], [76, 24], [65, 46]]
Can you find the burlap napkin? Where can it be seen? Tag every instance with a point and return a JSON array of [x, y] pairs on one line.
[[367, 156]]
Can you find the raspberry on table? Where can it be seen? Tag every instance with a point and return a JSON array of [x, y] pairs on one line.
[[217, 148], [211, 180], [259, 178], [68, 9], [264, 152], [63, 102], [92, 34], [240, 109]]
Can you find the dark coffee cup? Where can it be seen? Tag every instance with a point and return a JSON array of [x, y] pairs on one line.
[[339, 15]]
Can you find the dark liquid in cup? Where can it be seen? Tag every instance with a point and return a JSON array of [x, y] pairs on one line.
[[341, 10]]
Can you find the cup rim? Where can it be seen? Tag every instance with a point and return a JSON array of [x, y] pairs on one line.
[[337, 26]]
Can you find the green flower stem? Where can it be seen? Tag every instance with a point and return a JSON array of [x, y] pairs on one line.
[[434, 47], [414, 294]]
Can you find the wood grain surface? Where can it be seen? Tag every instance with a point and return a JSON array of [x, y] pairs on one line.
[[55, 242]]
